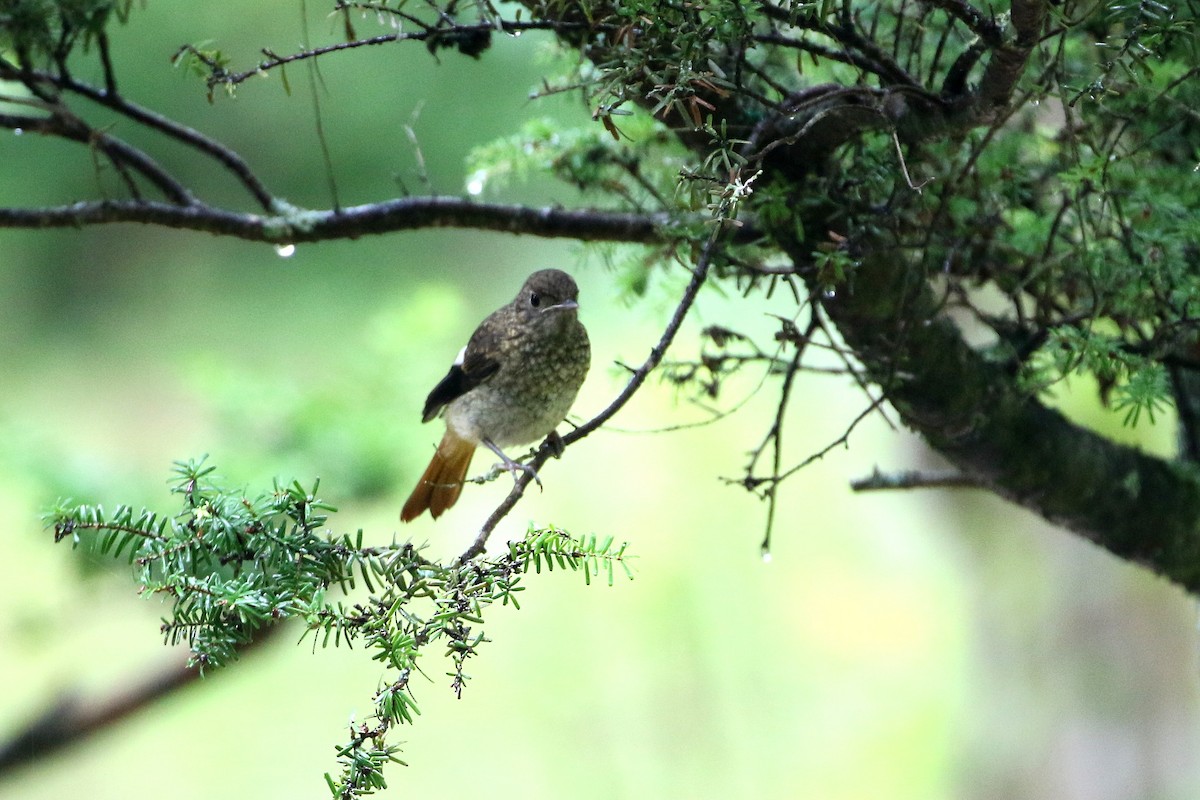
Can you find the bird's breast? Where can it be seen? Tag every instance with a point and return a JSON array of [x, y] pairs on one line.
[[530, 394]]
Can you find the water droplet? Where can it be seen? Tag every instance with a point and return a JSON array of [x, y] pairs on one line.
[[830, 293], [285, 250], [18, 131], [476, 183], [766, 556]]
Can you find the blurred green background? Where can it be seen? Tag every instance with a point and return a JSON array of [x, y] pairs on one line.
[[920, 645]]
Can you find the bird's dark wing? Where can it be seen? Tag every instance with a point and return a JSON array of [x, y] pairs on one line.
[[476, 367]]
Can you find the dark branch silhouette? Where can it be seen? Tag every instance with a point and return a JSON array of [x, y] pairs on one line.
[[72, 719], [298, 225]]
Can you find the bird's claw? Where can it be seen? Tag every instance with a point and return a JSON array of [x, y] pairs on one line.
[[511, 466], [517, 466]]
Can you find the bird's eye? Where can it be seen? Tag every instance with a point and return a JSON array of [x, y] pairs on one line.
[[535, 299]]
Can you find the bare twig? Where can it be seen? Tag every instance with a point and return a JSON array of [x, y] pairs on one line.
[[904, 167], [845, 56], [841, 441], [150, 119], [428, 33], [410, 131], [915, 479], [315, 83], [857, 373], [776, 434], [61, 123]]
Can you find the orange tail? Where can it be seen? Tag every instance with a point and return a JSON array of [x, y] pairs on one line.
[[443, 480]]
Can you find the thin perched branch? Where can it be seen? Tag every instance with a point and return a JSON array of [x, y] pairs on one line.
[[699, 274]]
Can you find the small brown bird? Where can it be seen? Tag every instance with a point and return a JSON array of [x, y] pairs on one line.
[[511, 385]]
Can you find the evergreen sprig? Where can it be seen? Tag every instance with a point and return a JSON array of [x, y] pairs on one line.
[[232, 565], [444, 605]]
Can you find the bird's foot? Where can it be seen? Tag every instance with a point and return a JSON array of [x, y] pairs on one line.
[[512, 466]]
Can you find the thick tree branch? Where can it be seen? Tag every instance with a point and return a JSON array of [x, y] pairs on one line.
[[974, 412], [294, 225], [1008, 61], [916, 113]]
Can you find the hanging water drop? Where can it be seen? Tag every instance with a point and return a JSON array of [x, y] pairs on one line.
[[18, 131], [476, 183], [285, 250]]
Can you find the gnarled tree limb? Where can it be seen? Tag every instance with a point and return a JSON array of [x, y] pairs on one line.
[[972, 411], [293, 225]]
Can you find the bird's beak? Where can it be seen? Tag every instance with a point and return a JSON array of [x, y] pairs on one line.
[[566, 305]]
